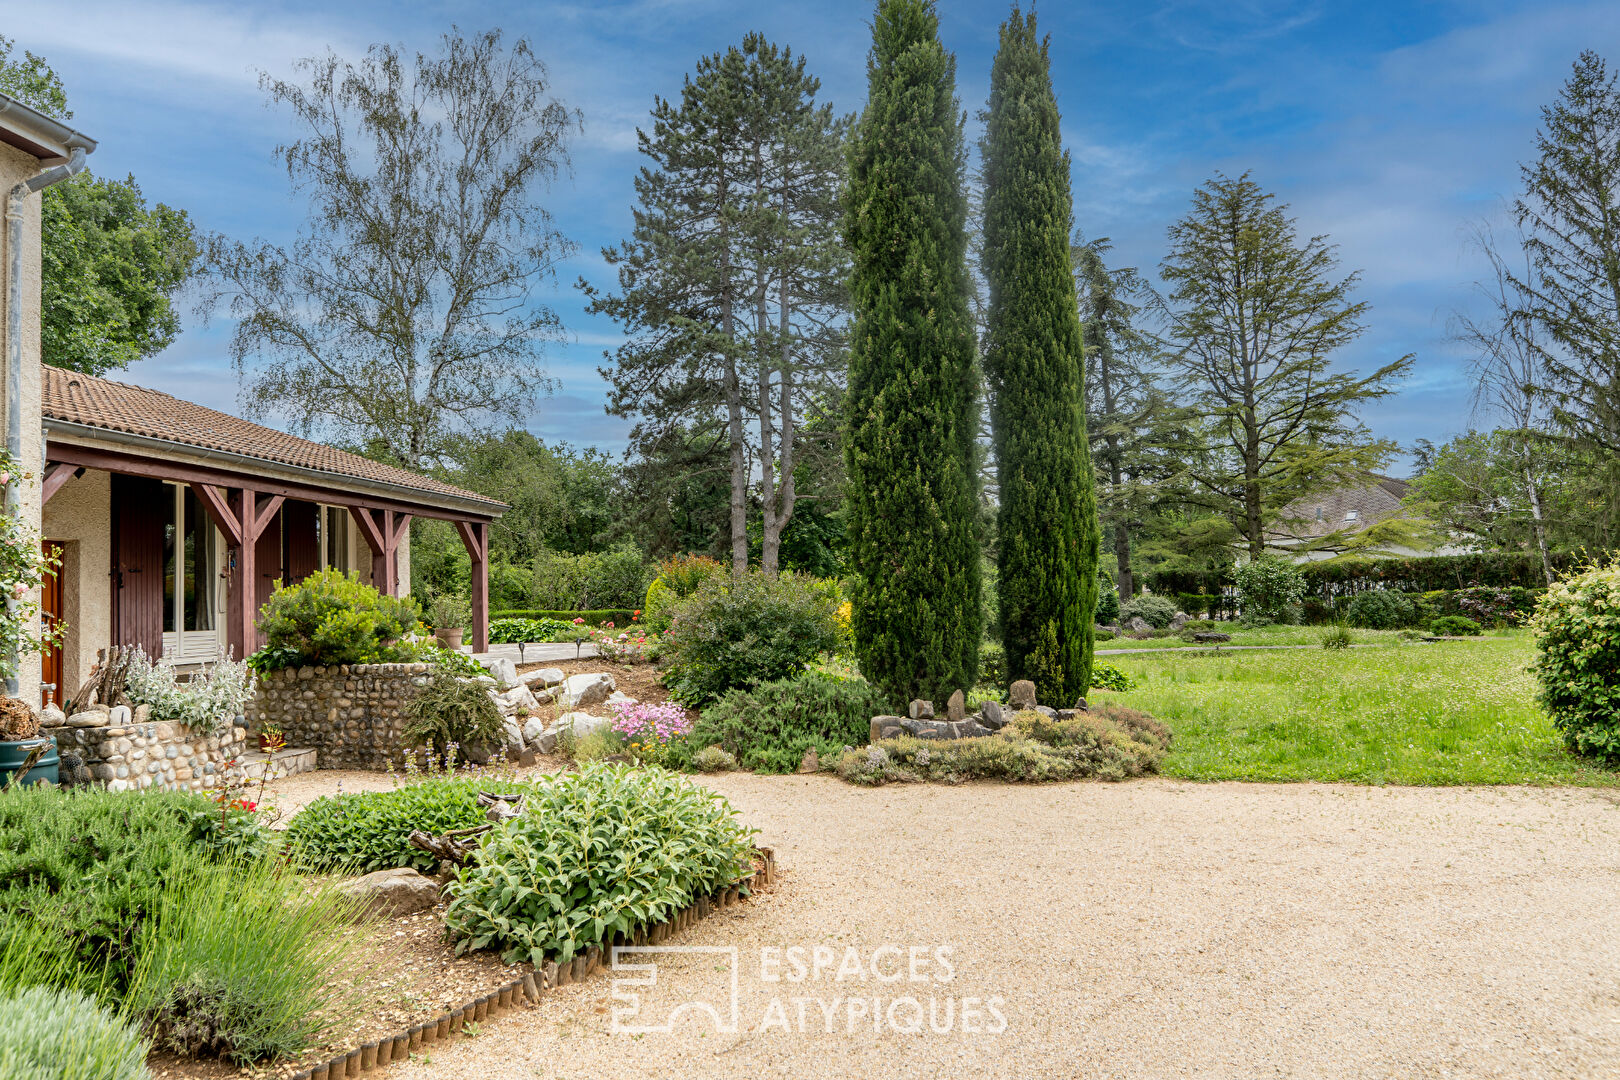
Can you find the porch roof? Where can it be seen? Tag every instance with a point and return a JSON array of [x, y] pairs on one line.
[[77, 404]]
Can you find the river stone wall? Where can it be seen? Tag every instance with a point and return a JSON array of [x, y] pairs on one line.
[[126, 750], [353, 715]]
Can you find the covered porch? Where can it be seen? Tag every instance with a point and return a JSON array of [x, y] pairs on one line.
[[174, 523]]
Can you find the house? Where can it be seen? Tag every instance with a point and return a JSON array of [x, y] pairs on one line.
[[1368, 516], [173, 522]]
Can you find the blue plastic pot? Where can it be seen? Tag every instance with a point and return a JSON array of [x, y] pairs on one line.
[[14, 753]]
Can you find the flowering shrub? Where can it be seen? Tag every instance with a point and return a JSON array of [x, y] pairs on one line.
[[1577, 628], [650, 729], [23, 567], [211, 701]]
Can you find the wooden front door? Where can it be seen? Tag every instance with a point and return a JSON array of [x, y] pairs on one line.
[[51, 689], [142, 509]]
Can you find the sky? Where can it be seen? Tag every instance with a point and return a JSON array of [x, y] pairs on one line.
[[1392, 127]]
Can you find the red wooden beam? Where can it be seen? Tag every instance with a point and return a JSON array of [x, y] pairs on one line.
[[369, 530], [219, 512], [57, 473], [475, 537], [183, 472], [264, 513], [241, 588]]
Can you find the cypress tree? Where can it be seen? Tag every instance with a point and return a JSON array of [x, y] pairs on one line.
[[1033, 358], [913, 384]]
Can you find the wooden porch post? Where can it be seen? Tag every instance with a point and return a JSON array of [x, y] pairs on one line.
[[382, 530], [242, 516], [475, 537]]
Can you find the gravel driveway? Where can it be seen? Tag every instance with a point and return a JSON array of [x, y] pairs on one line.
[[1145, 929]]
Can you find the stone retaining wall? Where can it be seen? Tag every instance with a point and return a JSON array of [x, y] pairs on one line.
[[352, 715], [126, 751]]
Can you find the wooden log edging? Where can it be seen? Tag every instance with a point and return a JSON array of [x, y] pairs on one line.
[[529, 989]]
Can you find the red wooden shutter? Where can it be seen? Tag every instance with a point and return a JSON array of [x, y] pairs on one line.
[[141, 510]]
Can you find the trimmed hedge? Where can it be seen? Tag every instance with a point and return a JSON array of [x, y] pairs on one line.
[[1341, 577], [619, 617]]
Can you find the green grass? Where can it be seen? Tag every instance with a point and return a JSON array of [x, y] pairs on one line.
[[1452, 713], [1276, 635]]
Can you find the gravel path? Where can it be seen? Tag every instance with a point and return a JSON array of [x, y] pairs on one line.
[[1146, 929]]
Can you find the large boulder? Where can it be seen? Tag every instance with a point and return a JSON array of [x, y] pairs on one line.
[[1139, 625], [885, 727], [546, 676], [577, 722], [619, 697], [393, 892], [512, 737], [513, 701], [956, 707], [582, 690], [1180, 620], [992, 717], [504, 671], [1021, 695]]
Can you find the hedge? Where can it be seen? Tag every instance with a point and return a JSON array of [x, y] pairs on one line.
[[1343, 577], [619, 617]]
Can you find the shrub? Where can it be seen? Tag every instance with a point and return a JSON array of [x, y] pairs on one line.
[[1454, 626], [453, 661], [367, 831], [713, 759], [1380, 609], [48, 1034], [650, 730], [502, 631], [451, 714], [992, 665], [210, 701], [1577, 627], [738, 632], [1337, 637], [596, 855], [1269, 586], [332, 618], [1105, 743], [1106, 676], [768, 728], [1107, 598], [678, 577], [594, 580], [1156, 611]]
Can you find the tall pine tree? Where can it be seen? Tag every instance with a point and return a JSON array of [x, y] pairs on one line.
[[1033, 358], [912, 405]]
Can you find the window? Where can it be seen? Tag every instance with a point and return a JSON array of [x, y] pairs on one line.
[[333, 524], [191, 579], [1351, 515], [1318, 513]]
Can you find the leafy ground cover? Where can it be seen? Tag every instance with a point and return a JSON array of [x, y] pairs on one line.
[[1461, 712]]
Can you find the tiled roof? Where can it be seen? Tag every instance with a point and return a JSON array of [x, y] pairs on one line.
[[134, 410], [1330, 511]]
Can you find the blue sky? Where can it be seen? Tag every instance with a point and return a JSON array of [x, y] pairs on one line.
[[1387, 126]]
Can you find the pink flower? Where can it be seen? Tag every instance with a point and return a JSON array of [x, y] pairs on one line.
[[579, 622], [5, 477]]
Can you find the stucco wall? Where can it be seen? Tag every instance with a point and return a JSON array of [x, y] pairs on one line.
[[16, 166], [78, 516]]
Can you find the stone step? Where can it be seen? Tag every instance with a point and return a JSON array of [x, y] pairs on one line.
[[288, 761]]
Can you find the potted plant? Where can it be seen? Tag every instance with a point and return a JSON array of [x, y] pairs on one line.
[[271, 739], [25, 755], [450, 615]]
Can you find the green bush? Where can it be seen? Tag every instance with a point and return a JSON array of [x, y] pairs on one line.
[[1269, 587], [1380, 609], [1455, 626], [595, 856], [620, 617], [1106, 676], [503, 631], [1577, 626], [739, 632], [452, 712], [1156, 611], [1107, 612], [1337, 637], [366, 831], [713, 759], [332, 618], [593, 580], [769, 727], [678, 577], [48, 1034], [992, 665], [1108, 742]]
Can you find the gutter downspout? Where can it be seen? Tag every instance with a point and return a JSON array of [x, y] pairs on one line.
[[14, 345]]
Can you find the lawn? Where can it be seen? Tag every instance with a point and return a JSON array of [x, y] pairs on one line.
[[1275, 635], [1461, 712]]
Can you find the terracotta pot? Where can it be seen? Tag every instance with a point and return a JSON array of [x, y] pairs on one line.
[[449, 637]]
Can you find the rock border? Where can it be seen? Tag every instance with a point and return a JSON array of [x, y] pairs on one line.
[[531, 988]]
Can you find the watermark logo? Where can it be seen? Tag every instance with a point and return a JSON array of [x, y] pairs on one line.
[[724, 1013], [890, 989]]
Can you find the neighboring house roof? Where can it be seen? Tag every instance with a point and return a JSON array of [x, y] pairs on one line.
[[74, 398], [1346, 509]]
